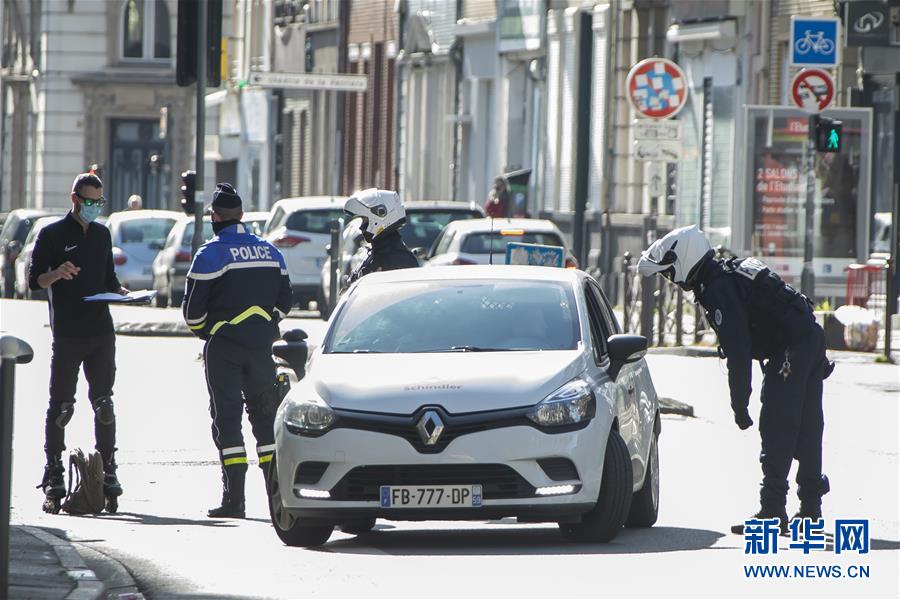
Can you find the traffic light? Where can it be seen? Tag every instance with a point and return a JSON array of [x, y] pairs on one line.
[[828, 134], [188, 180], [186, 53]]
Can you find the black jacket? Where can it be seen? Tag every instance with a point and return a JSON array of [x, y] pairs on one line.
[[91, 251], [388, 252], [237, 288], [755, 315]]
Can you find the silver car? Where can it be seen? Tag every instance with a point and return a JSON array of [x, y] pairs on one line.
[[137, 237], [171, 265]]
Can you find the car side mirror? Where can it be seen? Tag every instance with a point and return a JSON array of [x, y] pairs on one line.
[[624, 349], [420, 252], [293, 350]]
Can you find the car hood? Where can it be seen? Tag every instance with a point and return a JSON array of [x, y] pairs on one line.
[[459, 382]]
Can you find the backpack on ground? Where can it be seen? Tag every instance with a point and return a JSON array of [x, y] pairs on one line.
[[85, 493]]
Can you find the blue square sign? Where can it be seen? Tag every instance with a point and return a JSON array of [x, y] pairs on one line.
[[814, 41]]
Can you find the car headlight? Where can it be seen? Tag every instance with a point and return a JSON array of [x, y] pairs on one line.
[[571, 404], [309, 416]]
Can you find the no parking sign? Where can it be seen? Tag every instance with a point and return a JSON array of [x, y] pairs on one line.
[[812, 90], [657, 88]]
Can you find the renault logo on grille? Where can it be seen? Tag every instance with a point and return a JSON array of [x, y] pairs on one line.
[[430, 428]]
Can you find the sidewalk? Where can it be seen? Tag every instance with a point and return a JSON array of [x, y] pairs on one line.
[[46, 567]]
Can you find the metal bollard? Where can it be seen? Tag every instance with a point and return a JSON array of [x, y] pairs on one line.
[[679, 315], [626, 292], [13, 351], [334, 258]]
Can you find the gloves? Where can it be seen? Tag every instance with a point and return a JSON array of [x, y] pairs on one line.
[[742, 418]]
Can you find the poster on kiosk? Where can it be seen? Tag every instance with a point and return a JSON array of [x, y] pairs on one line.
[[776, 187]]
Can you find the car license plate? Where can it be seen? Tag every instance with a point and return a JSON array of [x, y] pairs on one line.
[[424, 496]]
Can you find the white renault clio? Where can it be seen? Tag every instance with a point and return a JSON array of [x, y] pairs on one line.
[[469, 393]]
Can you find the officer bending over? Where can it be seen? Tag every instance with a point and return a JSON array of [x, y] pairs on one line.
[[757, 316], [382, 216], [237, 292]]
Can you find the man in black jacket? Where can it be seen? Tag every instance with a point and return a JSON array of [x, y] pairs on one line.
[[758, 317], [382, 216], [237, 291], [73, 259]]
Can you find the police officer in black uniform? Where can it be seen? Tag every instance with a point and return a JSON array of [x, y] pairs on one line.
[[757, 316], [237, 291], [382, 216]]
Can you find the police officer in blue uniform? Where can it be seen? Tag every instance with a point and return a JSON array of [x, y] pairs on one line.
[[237, 291], [757, 316]]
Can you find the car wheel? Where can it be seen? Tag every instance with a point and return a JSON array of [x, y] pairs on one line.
[[175, 297], [162, 299], [358, 526], [291, 530], [322, 303], [603, 522], [645, 503]]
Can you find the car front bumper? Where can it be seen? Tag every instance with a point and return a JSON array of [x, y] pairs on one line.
[[515, 450]]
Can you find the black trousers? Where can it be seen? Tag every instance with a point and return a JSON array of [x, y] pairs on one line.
[[791, 423], [239, 376], [97, 355]]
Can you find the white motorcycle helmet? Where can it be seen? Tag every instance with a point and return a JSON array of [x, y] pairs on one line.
[[380, 210], [676, 255]]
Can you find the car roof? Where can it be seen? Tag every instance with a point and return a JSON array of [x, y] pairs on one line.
[[310, 202], [487, 225], [131, 215], [470, 272], [27, 213], [255, 215]]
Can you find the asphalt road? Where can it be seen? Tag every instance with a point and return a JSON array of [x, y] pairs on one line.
[[709, 479]]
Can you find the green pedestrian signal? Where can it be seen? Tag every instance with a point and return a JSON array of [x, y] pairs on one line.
[[828, 135]]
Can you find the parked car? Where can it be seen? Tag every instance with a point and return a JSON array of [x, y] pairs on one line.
[[483, 241], [301, 229], [23, 262], [137, 237], [425, 221], [12, 239], [881, 233], [171, 264], [256, 221], [572, 438]]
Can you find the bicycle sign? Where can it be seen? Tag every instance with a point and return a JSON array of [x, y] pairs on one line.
[[814, 41]]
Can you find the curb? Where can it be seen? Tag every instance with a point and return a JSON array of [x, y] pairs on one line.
[[689, 351], [87, 585]]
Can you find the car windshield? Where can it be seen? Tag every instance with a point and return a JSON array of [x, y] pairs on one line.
[[313, 221], [423, 227], [189, 232], [456, 316], [145, 231], [482, 242]]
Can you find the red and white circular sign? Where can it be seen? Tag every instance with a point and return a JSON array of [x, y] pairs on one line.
[[657, 88], [812, 90]]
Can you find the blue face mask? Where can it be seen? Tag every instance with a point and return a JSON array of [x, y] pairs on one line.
[[89, 213]]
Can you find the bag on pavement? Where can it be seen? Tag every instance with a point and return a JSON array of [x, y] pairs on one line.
[[86, 477]]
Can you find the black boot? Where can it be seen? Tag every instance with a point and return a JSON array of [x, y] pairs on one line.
[[233, 478], [53, 484], [765, 513], [809, 510], [111, 486]]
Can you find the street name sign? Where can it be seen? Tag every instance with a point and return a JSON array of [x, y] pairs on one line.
[[812, 90], [657, 88], [310, 81], [648, 129], [664, 151], [815, 41]]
